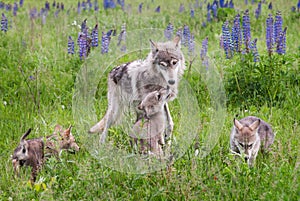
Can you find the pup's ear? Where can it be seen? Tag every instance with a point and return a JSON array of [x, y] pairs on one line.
[[68, 131], [57, 128], [154, 47], [255, 125], [237, 124], [25, 135], [177, 41]]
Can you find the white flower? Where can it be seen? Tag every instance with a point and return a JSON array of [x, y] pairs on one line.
[[63, 107], [4, 103], [74, 23]]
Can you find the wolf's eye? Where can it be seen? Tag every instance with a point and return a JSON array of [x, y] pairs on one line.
[[164, 64], [174, 62], [250, 145], [241, 144]]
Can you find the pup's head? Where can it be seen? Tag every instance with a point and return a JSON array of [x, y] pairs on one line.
[[154, 102], [168, 60], [246, 136], [67, 140], [21, 152]]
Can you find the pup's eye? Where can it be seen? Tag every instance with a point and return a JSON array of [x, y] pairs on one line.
[[164, 64], [158, 96], [241, 144], [174, 62], [23, 150]]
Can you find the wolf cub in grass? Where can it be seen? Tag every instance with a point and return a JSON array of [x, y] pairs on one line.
[[29, 153], [148, 132], [248, 135]]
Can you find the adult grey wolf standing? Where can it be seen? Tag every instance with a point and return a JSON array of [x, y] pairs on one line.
[[129, 83]]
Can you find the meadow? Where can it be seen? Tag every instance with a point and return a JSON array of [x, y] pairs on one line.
[[42, 85]]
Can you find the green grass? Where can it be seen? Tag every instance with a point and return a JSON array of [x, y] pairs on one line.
[[269, 90]]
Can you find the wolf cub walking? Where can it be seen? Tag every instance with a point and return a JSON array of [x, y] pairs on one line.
[[248, 135], [29, 153], [148, 132]]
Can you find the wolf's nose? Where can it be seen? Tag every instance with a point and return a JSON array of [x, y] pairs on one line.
[[171, 82], [246, 158]]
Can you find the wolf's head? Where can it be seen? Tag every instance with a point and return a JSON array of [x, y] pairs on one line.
[[168, 60], [246, 137], [154, 102]]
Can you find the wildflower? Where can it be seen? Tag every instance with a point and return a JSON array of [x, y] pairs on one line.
[[140, 7], [236, 34], [231, 4], [208, 7], [78, 7], [281, 43], [15, 9], [169, 31], [269, 33], [192, 13], [246, 29], [105, 41], [204, 48], [181, 8], [83, 25], [4, 23], [253, 49], [82, 43], [179, 33], [95, 36], [270, 6], [122, 3], [277, 26], [222, 3], [226, 39], [157, 10], [62, 6], [186, 35], [96, 5], [21, 3], [214, 9], [298, 5], [191, 44], [246, 2], [54, 4], [47, 5], [208, 17], [258, 10], [89, 3], [83, 5]]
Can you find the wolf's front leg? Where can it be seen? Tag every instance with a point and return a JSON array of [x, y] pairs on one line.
[[170, 125]]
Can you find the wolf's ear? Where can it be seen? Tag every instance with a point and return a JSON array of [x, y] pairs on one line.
[[154, 47], [255, 125], [140, 107], [177, 41], [237, 124]]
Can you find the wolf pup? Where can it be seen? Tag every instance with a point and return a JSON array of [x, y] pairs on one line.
[[29, 153], [148, 132], [131, 82], [59, 140], [248, 135]]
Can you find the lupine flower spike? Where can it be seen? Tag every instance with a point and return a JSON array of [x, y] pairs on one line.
[[186, 35], [169, 31], [4, 23], [246, 30], [95, 36], [281, 44], [254, 51], [70, 45], [269, 34], [226, 39]]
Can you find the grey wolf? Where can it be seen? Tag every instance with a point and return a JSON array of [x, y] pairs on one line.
[[29, 153], [128, 84], [61, 139], [249, 135], [148, 132]]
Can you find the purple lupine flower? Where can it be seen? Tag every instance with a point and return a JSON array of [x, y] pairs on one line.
[[4, 23], [78, 7], [208, 7], [47, 5], [157, 10], [1, 5], [293, 9], [258, 10], [246, 29], [179, 33], [95, 36], [253, 49], [196, 5], [8, 7], [214, 8], [105, 42], [186, 34], [15, 9], [281, 44], [203, 53], [56, 13], [140, 7], [89, 3], [82, 43], [246, 2], [222, 3], [21, 3], [277, 26], [83, 5], [169, 31], [298, 6], [226, 4], [192, 13], [203, 24], [231, 4], [191, 45], [226, 39], [181, 8], [33, 13], [71, 45], [204, 48], [96, 5], [122, 3], [62, 6], [236, 34], [112, 4], [269, 33], [54, 4], [270, 6], [208, 17]]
